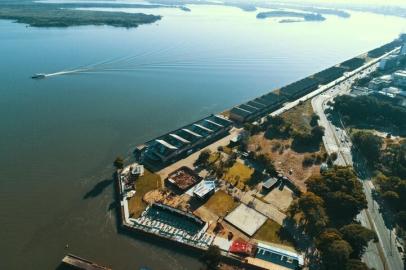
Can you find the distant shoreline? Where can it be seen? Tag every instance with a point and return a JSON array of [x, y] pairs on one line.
[[54, 15], [278, 14]]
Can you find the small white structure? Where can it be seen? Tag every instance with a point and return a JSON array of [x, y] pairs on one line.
[[130, 193], [223, 243], [204, 189], [138, 170], [270, 183]]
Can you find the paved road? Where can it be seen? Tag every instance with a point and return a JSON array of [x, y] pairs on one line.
[[386, 236], [336, 140]]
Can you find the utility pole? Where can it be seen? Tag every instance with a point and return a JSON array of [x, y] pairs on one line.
[[390, 243]]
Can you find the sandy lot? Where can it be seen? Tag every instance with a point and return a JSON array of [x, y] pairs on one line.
[[281, 199], [287, 160]]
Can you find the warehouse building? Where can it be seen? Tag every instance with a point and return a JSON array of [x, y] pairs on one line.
[[279, 256], [388, 62], [299, 88], [329, 74], [185, 140], [257, 107]]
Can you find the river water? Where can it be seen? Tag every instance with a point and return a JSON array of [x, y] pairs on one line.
[[58, 136]]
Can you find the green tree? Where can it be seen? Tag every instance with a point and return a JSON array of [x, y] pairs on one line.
[[266, 163], [203, 157], [314, 216], [337, 255], [354, 264], [391, 197], [314, 119], [358, 237], [370, 110], [317, 133], [369, 145], [118, 163], [327, 237], [276, 127], [334, 156], [341, 191], [401, 219]]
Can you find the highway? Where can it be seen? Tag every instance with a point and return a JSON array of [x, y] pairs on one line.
[[384, 254], [335, 140]]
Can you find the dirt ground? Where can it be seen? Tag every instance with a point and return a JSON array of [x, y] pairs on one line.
[[280, 198], [287, 161], [166, 197]]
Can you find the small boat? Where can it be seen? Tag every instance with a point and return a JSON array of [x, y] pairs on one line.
[[38, 76]]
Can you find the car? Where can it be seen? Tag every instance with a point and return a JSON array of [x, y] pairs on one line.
[[244, 154]]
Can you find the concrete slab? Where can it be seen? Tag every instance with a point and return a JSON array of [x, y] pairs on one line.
[[222, 243], [246, 219]]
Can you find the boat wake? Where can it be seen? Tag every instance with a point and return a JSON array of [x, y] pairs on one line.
[[46, 75], [167, 59]]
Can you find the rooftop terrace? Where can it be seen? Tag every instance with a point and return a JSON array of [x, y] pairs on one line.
[[183, 178]]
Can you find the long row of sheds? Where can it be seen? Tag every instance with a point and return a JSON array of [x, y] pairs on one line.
[[275, 99], [375, 53], [185, 140]]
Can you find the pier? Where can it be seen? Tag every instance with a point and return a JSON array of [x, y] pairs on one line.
[[73, 262]]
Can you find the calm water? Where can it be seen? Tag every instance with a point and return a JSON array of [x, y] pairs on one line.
[[58, 136]]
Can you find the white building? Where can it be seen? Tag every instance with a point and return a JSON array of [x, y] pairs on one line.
[[279, 257], [399, 78], [403, 49], [379, 83], [388, 62]]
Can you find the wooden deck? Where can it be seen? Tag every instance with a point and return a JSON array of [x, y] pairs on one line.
[[75, 262]]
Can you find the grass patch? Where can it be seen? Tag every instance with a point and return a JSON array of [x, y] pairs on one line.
[[269, 232], [149, 181], [227, 150], [221, 203], [238, 174], [214, 157]]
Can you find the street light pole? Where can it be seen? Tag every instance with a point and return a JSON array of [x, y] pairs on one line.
[[390, 243]]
